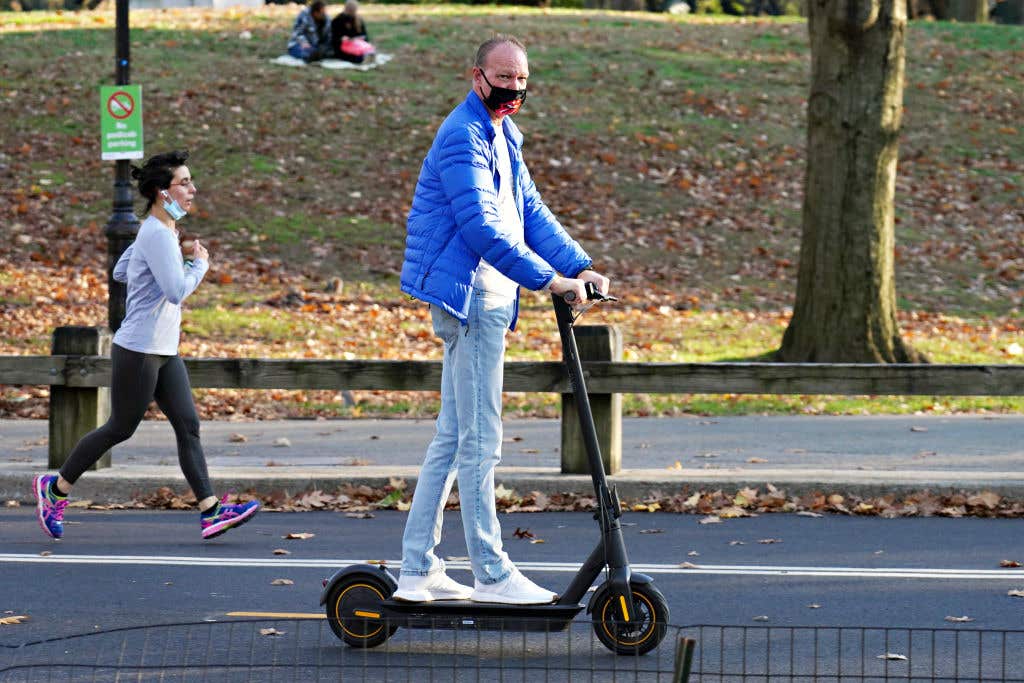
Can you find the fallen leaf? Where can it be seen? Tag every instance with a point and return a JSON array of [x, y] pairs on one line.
[[710, 519], [756, 461], [282, 442], [271, 632], [762, 617], [737, 543], [693, 553], [893, 655], [959, 619], [282, 551], [359, 515], [770, 540], [1009, 563], [238, 438], [382, 563], [11, 621], [687, 565], [814, 605], [1016, 593], [45, 553], [918, 429], [301, 536], [986, 499], [537, 540], [11, 504], [282, 582], [652, 531], [808, 513]]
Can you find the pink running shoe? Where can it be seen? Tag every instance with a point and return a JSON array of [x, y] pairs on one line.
[[49, 508], [226, 516]]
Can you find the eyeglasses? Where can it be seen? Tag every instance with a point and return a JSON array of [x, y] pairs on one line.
[[186, 182]]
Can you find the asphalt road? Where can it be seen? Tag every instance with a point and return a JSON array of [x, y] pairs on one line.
[[127, 569]]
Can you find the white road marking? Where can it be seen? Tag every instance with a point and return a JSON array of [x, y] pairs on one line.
[[718, 569]]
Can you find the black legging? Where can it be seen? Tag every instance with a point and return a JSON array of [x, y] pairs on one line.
[[137, 379]]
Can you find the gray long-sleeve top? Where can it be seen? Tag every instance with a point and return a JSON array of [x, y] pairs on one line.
[[158, 281]]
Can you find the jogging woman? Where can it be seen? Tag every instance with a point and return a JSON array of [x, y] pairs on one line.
[[146, 364]]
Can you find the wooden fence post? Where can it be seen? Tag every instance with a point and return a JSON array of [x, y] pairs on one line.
[[74, 412], [595, 343]]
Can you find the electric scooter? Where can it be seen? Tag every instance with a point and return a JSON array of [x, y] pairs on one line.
[[629, 614]]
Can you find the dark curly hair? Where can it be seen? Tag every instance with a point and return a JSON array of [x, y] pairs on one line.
[[157, 173]]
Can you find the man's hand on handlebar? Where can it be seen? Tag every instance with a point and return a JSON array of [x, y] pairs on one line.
[[600, 281], [574, 290], [562, 286]]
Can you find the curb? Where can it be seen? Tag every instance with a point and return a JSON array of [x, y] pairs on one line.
[[121, 484]]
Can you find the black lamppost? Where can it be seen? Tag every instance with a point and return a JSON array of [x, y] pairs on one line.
[[123, 225]]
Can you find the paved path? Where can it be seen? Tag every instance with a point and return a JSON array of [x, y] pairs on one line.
[[866, 455]]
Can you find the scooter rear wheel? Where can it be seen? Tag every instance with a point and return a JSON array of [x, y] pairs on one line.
[[636, 637], [354, 611]]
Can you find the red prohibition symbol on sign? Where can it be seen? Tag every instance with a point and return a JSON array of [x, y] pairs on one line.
[[120, 105]]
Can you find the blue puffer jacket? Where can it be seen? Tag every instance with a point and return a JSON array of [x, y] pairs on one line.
[[454, 221]]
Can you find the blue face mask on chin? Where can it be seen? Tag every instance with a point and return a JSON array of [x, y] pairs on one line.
[[173, 208]]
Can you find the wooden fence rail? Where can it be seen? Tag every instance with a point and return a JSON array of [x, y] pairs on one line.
[[80, 374], [549, 376]]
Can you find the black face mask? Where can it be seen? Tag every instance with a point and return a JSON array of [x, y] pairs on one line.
[[503, 101]]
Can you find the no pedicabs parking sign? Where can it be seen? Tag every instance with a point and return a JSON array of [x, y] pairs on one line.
[[121, 122]]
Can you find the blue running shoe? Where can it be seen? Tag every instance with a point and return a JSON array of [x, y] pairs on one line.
[[49, 508], [226, 516]]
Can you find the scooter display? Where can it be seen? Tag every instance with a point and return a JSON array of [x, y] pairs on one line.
[[629, 614]]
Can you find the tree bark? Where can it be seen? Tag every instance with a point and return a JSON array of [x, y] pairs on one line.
[[969, 11], [845, 308]]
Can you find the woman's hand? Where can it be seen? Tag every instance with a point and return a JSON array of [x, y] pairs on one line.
[[199, 251]]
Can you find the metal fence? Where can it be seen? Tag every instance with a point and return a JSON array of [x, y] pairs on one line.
[[307, 650]]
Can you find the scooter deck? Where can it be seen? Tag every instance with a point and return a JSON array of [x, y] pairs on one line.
[[466, 614]]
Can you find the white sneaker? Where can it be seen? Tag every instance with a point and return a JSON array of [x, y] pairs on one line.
[[436, 586], [515, 590]]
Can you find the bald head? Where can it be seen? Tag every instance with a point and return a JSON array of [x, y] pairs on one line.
[[488, 46]]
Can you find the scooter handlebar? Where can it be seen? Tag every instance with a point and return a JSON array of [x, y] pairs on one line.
[[593, 294]]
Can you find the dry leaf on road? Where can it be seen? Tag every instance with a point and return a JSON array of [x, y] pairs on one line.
[[283, 442], [1016, 593], [301, 536], [282, 582], [893, 655], [238, 438], [11, 621], [271, 632], [958, 620], [282, 551], [1010, 563]]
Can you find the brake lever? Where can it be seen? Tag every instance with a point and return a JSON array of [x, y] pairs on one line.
[[594, 297]]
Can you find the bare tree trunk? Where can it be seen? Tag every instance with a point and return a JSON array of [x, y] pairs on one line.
[[975, 11], [845, 307]]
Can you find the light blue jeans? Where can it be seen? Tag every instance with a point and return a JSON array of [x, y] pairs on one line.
[[467, 445]]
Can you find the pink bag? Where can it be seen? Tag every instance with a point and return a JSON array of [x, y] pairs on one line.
[[357, 47]]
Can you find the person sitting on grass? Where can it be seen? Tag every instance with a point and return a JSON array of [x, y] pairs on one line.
[[349, 37], [311, 35]]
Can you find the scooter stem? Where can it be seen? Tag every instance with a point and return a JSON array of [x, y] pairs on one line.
[[608, 501]]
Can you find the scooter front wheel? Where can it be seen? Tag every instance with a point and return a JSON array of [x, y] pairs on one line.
[[354, 611], [636, 637]]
